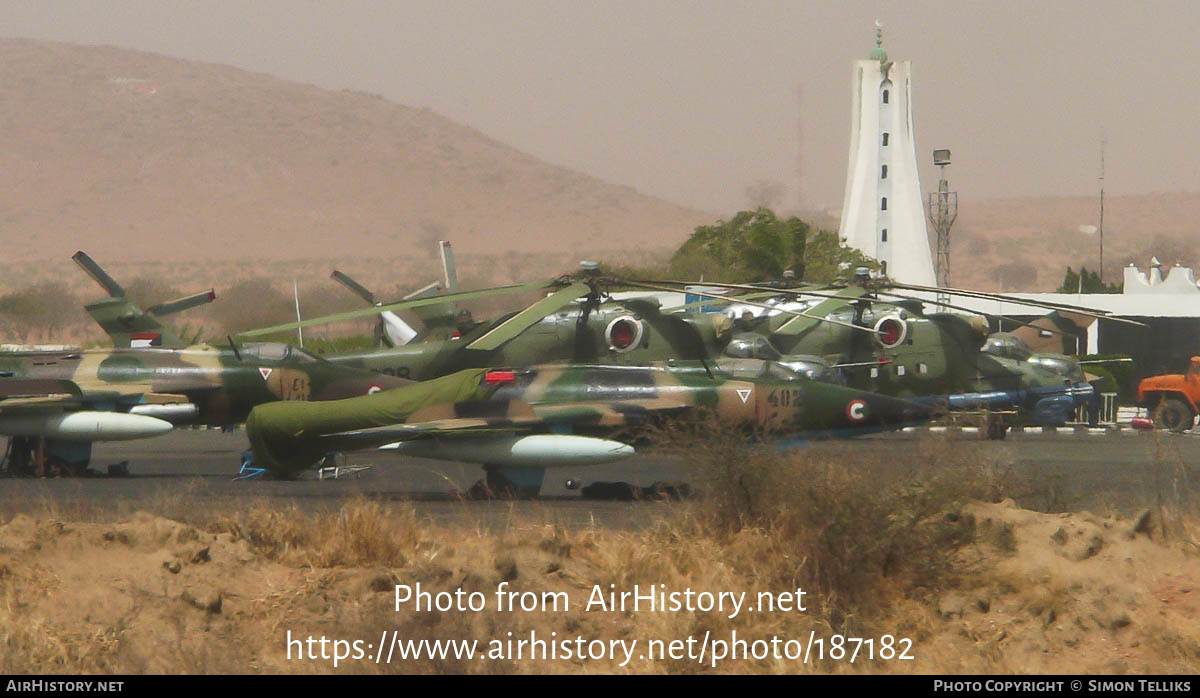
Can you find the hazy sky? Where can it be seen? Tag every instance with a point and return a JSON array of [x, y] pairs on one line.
[[695, 100]]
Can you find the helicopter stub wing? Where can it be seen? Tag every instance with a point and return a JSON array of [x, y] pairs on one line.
[[801, 324]]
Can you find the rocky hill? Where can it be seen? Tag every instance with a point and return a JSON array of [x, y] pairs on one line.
[[159, 166], [135, 156]]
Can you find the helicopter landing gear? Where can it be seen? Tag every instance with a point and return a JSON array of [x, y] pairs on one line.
[[994, 427]]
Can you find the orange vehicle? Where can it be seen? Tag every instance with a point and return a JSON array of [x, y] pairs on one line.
[[1172, 399]]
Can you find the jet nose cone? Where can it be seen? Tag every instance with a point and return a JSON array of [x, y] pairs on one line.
[[621, 450]]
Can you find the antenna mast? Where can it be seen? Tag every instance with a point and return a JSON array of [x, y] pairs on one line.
[[800, 146], [1103, 143]]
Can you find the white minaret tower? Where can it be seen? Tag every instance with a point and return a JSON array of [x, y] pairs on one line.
[[883, 213]]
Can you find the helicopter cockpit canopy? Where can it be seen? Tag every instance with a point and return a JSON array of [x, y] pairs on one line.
[[751, 346], [794, 368], [810, 367], [1061, 365], [1006, 346]]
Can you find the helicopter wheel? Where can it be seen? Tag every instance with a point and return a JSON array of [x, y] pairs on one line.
[[994, 428]]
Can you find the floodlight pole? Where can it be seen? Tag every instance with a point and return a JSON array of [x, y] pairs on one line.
[[943, 210]]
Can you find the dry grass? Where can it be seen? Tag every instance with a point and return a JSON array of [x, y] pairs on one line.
[[915, 546]]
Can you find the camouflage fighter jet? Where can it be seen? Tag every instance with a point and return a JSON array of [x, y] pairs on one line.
[[54, 405], [518, 422]]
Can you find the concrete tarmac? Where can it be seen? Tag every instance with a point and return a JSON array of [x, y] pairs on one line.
[[1059, 472]]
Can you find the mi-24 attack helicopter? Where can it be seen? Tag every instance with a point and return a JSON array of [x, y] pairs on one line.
[[578, 321], [55, 405], [872, 334], [943, 358]]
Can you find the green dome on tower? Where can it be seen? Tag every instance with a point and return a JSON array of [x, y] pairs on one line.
[[878, 54]]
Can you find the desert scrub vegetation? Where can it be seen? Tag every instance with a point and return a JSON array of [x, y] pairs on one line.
[[855, 533], [360, 533], [922, 543]]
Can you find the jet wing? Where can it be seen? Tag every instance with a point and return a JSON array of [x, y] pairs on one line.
[[38, 395], [522, 418]]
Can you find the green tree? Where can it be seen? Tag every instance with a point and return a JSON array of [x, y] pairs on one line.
[[758, 246], [1087, 282], [826, 258]]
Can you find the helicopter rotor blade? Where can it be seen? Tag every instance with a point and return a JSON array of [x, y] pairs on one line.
[[925, 301], [424, 292], [355, 287], [799, 288], [510, 328], [416, 303], [835, 302], [1051, 305], [731, 300], [798, 314], [972, 311]]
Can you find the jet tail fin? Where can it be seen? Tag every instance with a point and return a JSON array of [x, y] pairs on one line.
[[130, 326], [124, 321]]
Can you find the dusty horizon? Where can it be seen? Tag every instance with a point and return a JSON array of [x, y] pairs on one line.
[[696, 102]]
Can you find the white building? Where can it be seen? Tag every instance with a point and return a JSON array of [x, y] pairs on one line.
[[1167, 303], [883, 212]]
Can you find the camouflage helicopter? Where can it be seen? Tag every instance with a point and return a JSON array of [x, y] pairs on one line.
[[941, 357], [863, 332], [517, 422], [578, 322], [55, 404]]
